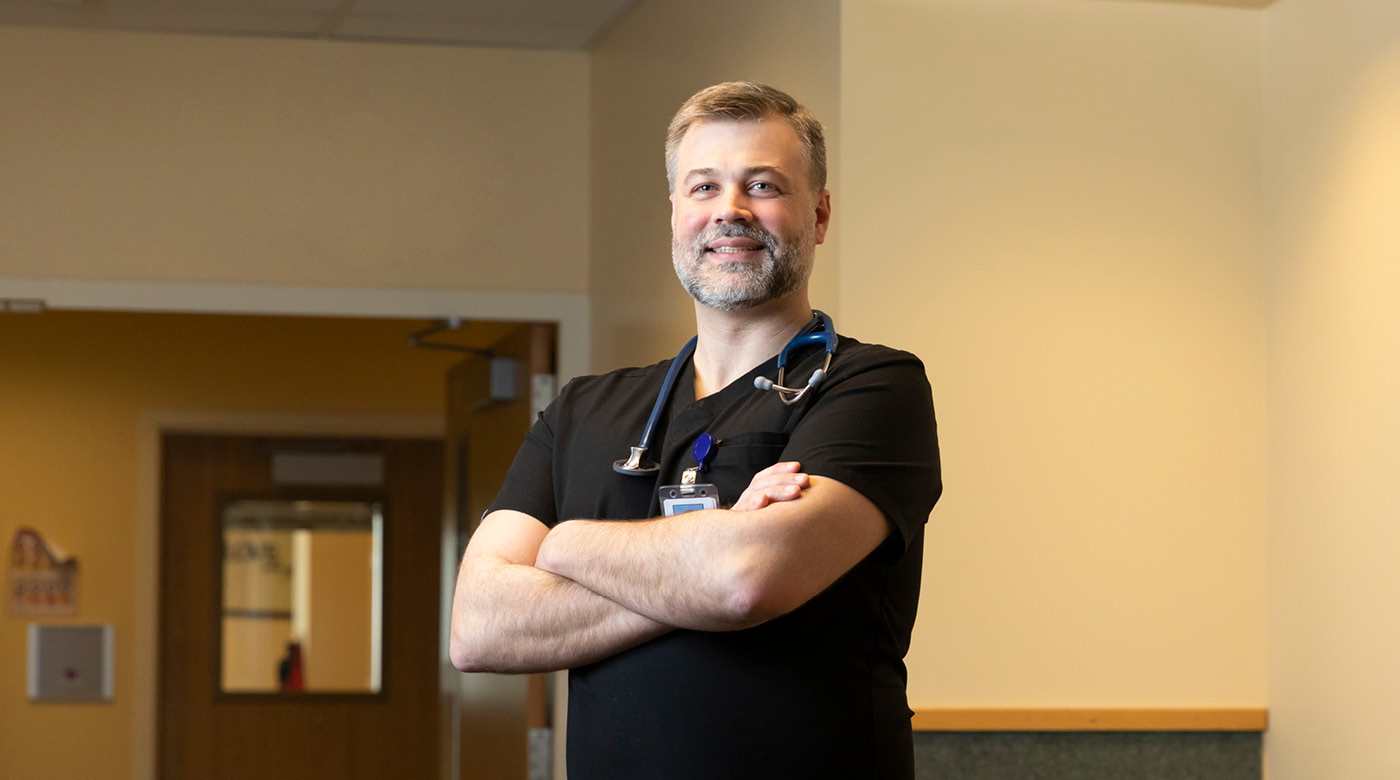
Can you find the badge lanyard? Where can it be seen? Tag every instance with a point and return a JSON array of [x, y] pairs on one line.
[[692, 494]]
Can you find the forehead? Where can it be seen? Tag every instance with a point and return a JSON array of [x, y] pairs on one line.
[[725, 145]]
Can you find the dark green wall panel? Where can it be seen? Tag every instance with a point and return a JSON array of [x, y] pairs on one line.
[[1088, 756]]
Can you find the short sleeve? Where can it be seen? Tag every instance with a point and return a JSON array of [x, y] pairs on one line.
[[873, 428], [529, 484]]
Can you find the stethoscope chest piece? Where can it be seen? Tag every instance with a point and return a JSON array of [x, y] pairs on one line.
[[633, 464]]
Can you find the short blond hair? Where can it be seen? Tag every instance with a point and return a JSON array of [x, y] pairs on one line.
[[737, 101]]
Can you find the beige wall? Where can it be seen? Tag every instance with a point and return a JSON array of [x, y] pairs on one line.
[[150, 157], [656, 56], [1056, 204], [1333, 164], [78, 392], [1060, 212]]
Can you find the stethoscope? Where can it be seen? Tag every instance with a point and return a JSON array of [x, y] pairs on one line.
[[633, 463]]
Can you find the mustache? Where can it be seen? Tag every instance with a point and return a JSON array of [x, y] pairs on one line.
[[731, 230]]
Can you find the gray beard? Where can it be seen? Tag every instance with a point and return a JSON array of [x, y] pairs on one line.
[[733, 287]]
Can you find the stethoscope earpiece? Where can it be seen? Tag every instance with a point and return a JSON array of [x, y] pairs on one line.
[[791, 395]]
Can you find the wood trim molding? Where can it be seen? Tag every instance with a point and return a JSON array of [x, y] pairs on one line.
[[1071, 719]]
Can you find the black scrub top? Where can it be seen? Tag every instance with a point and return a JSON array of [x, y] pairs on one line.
[[816, 693]]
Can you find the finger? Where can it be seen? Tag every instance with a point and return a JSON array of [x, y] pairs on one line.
[[756, 498], [752, 501], [783, 492], [781, 467], [779, 480]]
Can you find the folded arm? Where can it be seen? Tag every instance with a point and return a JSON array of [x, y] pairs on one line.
[[719, 569], [508, 616]]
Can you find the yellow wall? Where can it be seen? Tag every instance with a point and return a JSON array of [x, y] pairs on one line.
[[153, 157], [75, 389], [337, 652], [1056, 204], [1333, 230], [660, 53]]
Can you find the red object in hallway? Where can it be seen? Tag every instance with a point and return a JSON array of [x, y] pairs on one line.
[[289, 671]]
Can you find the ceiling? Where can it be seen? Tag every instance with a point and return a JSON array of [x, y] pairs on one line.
[[550, 24], [1232, 3], [535, 24]]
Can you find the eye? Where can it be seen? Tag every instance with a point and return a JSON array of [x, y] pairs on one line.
[[701, 189], [764, 187]]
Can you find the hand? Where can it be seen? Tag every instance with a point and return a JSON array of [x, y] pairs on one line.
[[778, 482]]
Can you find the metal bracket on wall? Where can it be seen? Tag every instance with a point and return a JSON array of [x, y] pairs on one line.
[[22, 305], [503, 384], [451, 323]]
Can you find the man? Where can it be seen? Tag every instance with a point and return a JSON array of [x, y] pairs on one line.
[[765, 637]]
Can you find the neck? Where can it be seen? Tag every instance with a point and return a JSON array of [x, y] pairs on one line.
[[732, 343]]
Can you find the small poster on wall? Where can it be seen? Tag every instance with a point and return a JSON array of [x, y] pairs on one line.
[[43, 580]]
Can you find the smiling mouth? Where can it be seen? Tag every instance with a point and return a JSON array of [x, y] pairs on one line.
[[736, 243]]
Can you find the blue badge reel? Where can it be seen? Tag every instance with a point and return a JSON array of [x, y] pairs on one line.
[[692, 494]]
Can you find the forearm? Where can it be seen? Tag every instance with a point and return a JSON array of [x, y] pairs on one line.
[[689, 571], [516, 618], [720, 570], [509, 616]]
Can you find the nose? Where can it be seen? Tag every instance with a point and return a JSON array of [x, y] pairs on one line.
[[734, 207]]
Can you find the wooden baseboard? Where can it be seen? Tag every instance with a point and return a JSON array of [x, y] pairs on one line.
[[1065, 719]]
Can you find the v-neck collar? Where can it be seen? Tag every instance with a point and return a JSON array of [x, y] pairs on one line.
[[683, 395]]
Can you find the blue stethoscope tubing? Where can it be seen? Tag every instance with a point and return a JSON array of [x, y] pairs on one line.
[[633, 464]]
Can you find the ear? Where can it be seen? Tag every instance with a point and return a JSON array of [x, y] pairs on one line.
[[823, 215], [672, 197]]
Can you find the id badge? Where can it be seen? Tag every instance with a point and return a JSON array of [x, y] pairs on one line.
[[678, 499]]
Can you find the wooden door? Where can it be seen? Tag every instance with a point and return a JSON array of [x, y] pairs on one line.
[[208, 734]]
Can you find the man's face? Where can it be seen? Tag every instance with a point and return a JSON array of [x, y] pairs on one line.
[[744, 219]]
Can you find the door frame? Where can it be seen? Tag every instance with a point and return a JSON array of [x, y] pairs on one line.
[[571, 311]]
